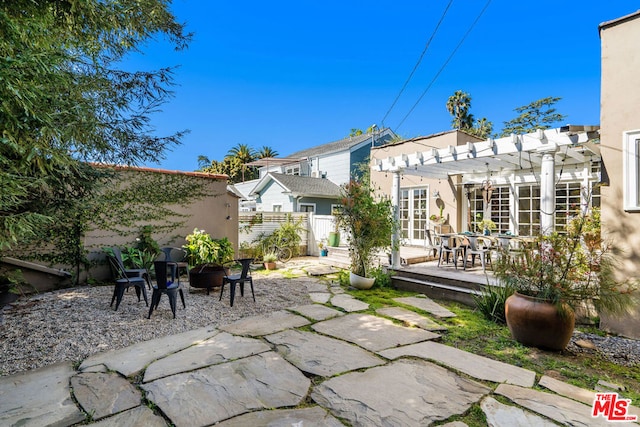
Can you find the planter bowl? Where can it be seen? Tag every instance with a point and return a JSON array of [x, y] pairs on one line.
[[207, 276], [360, 282]]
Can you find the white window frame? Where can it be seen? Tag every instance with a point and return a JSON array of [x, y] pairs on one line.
[[313, 205], [276, 205], [631, 174]]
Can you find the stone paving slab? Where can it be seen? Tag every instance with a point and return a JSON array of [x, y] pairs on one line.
[[219, 392], [307, 417], [411, 318], [402, 393], [266, 324], [102, 394], [313, 285], [317, 311], [320, 297], [479, 367], [576, 393], [133, 359], [371, 332], [38, 398], [426, 304], [348, 303], [320, 355], [558, 408], [220, 348], [321, 270], [499, 414], [140, 416]]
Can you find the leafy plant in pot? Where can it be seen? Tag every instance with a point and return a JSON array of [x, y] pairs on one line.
[[269, 260], [555, 277], [368, 223], [207, 258]]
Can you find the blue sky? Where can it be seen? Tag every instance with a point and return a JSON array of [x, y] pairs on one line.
[[295, 74]]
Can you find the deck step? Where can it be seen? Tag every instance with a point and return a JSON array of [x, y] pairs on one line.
[[436, 290]]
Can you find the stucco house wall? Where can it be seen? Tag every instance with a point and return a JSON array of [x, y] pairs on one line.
[[216, 213], [620, 113], [449, 190]]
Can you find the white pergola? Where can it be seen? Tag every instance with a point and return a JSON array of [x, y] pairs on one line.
[[502, 159]]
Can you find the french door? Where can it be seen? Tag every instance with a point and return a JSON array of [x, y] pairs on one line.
[[414, 214]]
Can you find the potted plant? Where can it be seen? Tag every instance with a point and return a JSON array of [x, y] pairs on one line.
[[439, 219], [553, 278], [368, 224], [324, 251], [487, 226], [334, 236], [269, 260], [207, 258]]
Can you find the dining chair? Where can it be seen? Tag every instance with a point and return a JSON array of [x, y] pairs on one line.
[[166, 283], [478, 248], [177, 256], [131, 272], [240, 278], [449, 245], [123, 281], [429, 243]]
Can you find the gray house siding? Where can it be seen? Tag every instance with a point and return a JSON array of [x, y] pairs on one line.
[[323, 206], [273, 194]]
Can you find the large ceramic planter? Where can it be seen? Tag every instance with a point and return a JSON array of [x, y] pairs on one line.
[[535, 322], [360, 282], [207, 277], [334, 239]]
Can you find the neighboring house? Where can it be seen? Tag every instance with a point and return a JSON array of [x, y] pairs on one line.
[[620, 133], [336, 161], [277, 192]]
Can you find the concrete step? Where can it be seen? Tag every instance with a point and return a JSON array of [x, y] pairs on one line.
[[463, 293]]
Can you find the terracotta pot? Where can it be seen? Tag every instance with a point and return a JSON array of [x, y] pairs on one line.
[[536, 322], [360, 282], [270, 265]]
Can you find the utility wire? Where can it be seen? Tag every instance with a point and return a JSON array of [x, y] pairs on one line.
[[445, 64], [415, 67]]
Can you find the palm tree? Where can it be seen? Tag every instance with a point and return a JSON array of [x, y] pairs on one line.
[[458, 106], [266, 152], [242, 152], [483, 128]]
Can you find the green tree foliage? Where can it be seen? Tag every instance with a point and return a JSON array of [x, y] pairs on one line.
[[267, 152], [64, 100], [459, 105], [540, 114]]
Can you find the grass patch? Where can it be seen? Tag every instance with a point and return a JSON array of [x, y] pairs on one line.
[[471, 332]]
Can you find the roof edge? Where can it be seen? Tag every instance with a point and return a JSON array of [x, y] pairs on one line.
[[163, 171], [617, 21]]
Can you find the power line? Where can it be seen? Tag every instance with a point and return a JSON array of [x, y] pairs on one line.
[[445, 64], [415, 67]]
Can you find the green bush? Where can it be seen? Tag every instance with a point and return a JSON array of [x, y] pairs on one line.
[[491, 302]]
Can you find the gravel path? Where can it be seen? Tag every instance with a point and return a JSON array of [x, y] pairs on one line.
[[72, 324]]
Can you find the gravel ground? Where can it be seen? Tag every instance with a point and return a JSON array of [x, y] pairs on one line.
[[72, 324]]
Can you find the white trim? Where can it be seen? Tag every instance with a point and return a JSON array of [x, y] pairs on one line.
[[630, 158], [313, 205], [273, 207]]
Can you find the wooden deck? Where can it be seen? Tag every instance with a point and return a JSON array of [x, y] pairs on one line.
[[419, 272]]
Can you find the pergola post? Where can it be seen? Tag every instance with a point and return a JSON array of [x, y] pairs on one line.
[[395, 237], [547, 188]]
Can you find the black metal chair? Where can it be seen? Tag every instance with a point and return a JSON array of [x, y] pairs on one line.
[[241, 278], [132, 272], [177, 256], [166, 284], [124, 281]]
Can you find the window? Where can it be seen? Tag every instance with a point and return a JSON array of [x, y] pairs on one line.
[[529, 210], [568, 202], [307, 207], [277, 208], [631, 170], [336, 209], [293, 170]]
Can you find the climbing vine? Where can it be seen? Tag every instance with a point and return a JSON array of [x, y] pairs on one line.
[[143, 201]]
